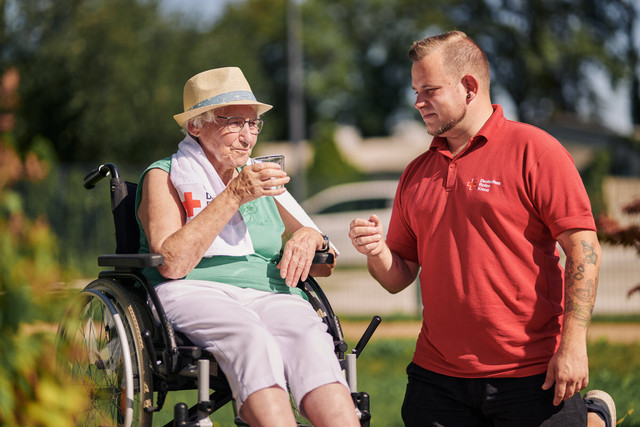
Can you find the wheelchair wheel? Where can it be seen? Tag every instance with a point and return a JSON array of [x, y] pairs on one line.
[[103, 330]]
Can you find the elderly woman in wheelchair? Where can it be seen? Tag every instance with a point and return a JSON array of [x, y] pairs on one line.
[[228, 282]]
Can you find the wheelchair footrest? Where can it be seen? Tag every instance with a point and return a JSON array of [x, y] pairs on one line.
[[361, 400], [181, 415]]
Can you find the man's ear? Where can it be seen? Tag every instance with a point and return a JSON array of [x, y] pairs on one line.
[[470, 85]]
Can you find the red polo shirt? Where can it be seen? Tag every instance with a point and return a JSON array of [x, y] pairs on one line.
[[482, 226]]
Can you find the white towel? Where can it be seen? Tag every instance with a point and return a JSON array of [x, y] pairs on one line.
[[198, 184]]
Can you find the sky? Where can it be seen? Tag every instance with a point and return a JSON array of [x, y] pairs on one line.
[[203, 12]]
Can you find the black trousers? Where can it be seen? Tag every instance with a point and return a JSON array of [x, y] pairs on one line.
[[432, 399]]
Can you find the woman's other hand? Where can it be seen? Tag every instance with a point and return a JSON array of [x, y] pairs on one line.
[[297, 255]]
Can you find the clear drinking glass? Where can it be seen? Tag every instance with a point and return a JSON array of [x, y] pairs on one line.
[[273, 158]]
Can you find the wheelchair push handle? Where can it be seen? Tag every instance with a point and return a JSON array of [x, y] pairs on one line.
[[99, 173]]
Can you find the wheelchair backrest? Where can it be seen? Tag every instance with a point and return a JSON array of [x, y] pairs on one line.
[[123, 199], [123, 202]]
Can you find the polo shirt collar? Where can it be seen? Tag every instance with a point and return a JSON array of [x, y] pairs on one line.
[[485, 133]]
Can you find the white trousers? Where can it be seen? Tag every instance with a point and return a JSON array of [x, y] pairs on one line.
[[259, 339]]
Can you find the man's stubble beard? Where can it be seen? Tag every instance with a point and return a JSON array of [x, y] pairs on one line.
[[449, 124]]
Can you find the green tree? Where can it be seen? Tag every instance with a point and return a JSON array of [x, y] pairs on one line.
[[100, 78], [357, 67], [544, 53], [630, 26], [103, 78], [252, 35]]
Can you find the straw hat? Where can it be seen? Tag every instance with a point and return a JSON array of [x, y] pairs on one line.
[[214, 89]]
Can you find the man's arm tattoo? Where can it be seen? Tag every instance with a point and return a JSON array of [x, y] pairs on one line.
[[581, 285]]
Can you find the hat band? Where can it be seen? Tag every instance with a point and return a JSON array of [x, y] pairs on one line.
[[223, 98]]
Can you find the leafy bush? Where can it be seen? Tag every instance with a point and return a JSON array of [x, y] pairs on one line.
[[32, 391]]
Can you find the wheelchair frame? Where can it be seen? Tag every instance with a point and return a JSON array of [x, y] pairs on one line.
[[129, 355]]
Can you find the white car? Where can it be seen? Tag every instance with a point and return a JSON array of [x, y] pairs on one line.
[[334, 208]]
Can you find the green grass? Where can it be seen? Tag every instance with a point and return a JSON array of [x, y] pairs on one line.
[[614, 368], [616, 318], [382, 374]]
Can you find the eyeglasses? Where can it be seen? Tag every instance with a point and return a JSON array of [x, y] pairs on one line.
[[235, 124]]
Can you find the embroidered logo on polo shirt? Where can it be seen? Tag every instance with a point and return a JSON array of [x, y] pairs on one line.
[[482, 184]]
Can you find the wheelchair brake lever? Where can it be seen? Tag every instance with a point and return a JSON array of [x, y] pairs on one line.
[[375, 322]]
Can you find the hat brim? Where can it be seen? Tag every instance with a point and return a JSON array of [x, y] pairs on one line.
[[183, 118]]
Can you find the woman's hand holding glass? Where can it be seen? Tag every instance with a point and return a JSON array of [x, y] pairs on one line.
[[258, 180]]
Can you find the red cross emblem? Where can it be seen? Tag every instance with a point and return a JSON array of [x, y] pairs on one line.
[[190, 204], [472, 184]]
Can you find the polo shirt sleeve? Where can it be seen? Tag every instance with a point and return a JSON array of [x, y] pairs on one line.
[[400, 237], [558, 192]]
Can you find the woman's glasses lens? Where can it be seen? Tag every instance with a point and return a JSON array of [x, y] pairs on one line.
[[235, 124]]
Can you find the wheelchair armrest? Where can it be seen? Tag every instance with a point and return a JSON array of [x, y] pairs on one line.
[[130, 260], [318, 258], [323, 258]]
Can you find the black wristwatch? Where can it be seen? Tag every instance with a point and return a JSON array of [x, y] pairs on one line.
[[325, 244]]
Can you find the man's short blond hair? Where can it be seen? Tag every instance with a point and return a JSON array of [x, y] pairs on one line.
[[460, 54]]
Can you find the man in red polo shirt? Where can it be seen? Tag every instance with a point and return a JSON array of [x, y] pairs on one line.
[[503, 338]]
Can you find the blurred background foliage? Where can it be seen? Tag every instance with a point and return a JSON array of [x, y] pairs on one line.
[[31, 298], [102, 79]]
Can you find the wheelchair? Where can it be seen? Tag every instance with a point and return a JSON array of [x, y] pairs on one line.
[[128, 360]]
